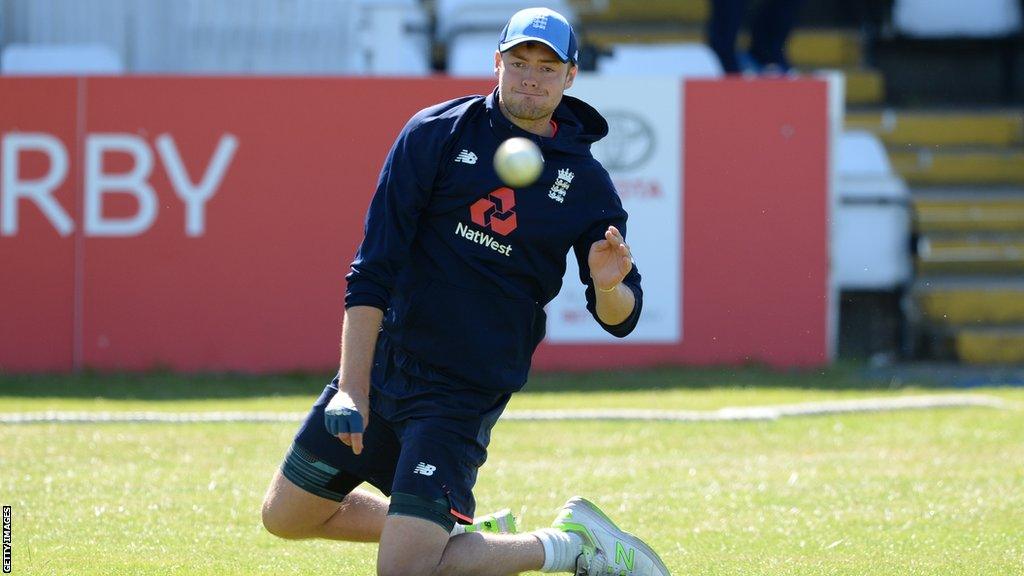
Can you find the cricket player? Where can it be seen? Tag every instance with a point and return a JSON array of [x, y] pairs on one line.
[[444, 309]]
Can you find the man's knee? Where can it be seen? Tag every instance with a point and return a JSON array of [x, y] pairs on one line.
[[280, 524], [411, 546], [292, 513]]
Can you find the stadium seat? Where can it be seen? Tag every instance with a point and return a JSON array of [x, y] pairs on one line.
[[259, 36], [862, 154], [871, 241], [76, 22], [472, 54], [393, 38], [957, 18], [688, 60], [60, 59], [457, 16]]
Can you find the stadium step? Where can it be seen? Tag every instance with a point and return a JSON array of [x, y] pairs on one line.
[[970, 254], [960, 166], [978, 320], [864, 86], [969, 211], [966, 301], [645, 11], [952, 128], [969, 295], [1002, 345], [825, 48]]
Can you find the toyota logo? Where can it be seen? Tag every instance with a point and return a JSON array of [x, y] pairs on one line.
[[629, 143]]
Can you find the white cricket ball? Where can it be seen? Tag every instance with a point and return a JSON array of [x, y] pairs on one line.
[[518, 162]]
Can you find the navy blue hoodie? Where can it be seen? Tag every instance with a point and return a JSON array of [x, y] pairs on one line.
[[463, 266]]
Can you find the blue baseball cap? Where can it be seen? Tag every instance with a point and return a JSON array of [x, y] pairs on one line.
[[540, 25]]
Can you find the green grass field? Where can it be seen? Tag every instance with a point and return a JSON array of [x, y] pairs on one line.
[[935, 492]]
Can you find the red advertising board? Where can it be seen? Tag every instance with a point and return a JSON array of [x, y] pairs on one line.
[[208, 223], [38, 129], [756, 240]]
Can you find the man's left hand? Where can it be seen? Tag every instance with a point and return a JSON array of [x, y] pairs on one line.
[[609, 260]]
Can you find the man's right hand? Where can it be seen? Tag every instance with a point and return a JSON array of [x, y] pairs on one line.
[[347, 417], [348, 413]]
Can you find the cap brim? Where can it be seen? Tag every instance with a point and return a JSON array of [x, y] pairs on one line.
[[504, 46]]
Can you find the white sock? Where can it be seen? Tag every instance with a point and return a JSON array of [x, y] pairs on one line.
[[560, 549], [458, 529]]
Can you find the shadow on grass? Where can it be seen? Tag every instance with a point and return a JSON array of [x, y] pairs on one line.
[[171, 386]]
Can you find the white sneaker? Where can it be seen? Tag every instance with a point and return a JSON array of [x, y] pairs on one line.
[[501, 522], [606, 548]]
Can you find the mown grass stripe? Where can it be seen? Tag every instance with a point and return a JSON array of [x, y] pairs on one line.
[[725, 414]]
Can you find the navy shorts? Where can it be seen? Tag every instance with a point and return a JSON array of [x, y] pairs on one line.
[[426, 439]]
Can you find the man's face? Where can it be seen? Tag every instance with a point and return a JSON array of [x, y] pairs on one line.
[[531, 80]]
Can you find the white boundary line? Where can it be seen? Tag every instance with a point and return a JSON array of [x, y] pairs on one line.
[[721, 415]]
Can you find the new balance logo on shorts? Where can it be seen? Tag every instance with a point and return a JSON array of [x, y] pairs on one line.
[[425, 469]]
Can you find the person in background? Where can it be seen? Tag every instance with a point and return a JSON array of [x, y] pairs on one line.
[[770, 28]]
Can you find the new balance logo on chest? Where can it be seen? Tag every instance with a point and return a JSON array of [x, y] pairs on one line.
[[466, 157]]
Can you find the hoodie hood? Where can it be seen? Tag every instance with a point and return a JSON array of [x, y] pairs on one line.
[[579, 125]]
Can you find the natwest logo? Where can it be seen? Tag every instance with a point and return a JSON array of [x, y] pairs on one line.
[[495, 211], [194, 190]]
